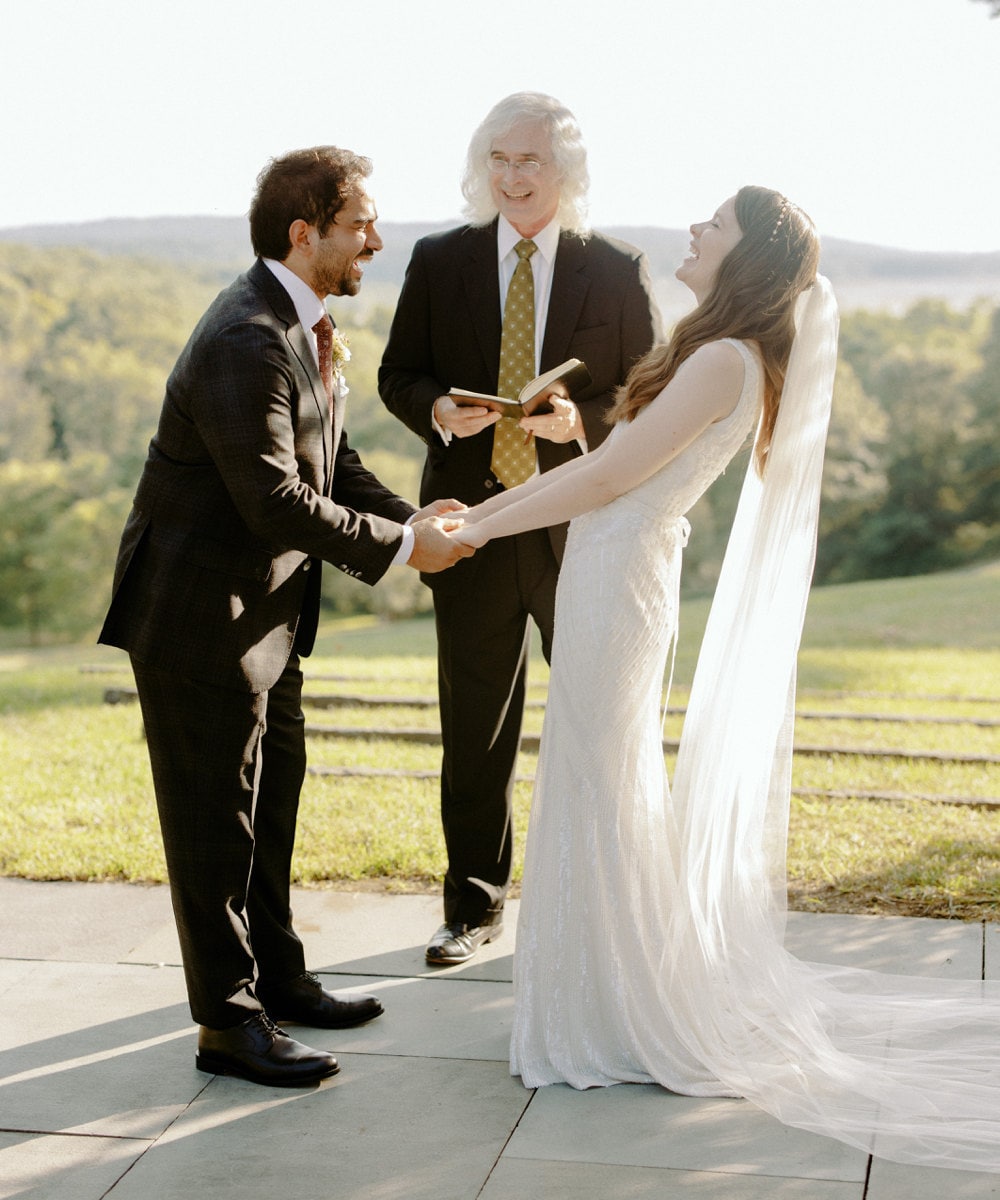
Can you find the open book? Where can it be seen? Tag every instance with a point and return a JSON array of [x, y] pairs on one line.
[[573, 373]]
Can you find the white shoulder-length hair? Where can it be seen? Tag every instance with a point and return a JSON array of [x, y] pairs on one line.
[[568, 154]]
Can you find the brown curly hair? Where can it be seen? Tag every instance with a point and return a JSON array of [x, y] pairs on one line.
[[309, 185]]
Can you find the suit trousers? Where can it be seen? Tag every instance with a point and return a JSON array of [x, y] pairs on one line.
[[227, 769], [483, 643]]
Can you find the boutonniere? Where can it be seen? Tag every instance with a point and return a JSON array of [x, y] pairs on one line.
[[341, 353]]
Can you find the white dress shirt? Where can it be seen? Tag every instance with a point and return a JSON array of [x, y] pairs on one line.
[[542, 264], [309, 308]]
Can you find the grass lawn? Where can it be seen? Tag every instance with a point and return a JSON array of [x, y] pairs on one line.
[[76, 799]]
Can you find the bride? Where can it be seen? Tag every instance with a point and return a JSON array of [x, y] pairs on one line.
[[649, 945]]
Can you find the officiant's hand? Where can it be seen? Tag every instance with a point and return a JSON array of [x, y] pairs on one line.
[[563, 424], [463, 420]]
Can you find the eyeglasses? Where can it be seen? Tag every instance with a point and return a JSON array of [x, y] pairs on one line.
[[523, 166]]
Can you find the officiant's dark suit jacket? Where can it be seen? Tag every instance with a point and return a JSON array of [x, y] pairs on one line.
[[446, 333], [249, 483]]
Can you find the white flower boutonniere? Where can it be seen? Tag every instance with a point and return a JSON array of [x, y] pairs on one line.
[[341, 352]]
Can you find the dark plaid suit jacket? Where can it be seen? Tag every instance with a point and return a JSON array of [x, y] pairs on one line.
[[247, 486]]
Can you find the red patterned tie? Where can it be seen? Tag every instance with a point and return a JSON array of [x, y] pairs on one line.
[[323, 329]]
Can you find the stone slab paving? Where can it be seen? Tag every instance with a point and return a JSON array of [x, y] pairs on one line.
[[100, 1099]]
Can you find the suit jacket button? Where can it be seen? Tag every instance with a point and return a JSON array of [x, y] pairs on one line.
[[489, 484], [306, 565]]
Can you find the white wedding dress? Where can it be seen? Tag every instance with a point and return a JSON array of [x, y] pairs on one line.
[[649, 942], [595, 997]]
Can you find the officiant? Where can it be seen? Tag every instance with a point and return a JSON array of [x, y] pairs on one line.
[[487, 306]]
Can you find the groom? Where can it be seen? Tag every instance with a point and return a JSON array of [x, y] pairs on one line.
[[249, 484]]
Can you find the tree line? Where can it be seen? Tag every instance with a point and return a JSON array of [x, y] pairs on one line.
[[911, 485]]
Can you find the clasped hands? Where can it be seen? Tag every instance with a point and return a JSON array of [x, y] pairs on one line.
[[441, 536]]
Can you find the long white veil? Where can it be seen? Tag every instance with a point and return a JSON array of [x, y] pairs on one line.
[[907, 1069]]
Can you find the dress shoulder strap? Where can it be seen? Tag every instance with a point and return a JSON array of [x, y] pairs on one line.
[[752, 372]]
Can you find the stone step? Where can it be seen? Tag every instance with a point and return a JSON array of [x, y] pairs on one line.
[[344, 772], [126, 695], [530, 741]]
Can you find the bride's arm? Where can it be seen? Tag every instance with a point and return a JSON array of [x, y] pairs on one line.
[[705, 389], [535, 484]]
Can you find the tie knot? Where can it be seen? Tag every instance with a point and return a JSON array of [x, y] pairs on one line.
[[525, 248]]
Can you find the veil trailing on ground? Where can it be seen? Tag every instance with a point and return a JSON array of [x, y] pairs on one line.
[[907, 1069]]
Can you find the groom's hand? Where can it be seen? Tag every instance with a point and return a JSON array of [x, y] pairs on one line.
[[433, 550]]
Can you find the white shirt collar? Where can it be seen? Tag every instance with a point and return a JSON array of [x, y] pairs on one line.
[[309, 308], [547, 239]]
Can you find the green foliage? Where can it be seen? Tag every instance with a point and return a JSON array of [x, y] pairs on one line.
[[61, 525], [370, 424], [854, 478], [912, 479], [982, 452], [87, 343]]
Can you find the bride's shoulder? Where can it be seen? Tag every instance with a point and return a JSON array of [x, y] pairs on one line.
[[723, 350], [712, 378], [724, 362], [735, 349]]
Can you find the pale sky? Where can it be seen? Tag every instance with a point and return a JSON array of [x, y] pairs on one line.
[[879, 117]]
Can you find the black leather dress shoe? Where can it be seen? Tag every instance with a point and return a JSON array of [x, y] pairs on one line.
[[458, 943], [261, 1052], [303, 1001]]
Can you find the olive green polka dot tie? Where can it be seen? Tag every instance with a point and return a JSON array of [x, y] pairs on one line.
[[513, 452]]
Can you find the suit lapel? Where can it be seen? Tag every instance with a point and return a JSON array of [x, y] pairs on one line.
[[481, 280], [570, 284], [300, 347], [333, 429], [301, 353]]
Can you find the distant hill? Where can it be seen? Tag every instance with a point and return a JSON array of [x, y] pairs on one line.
[[864, 276]]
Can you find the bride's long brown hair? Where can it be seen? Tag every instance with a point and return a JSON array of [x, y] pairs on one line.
[[753, 298]]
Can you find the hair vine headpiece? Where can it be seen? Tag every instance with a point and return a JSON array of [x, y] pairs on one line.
[[783, 214]]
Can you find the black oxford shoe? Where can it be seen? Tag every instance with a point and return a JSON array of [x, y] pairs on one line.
[[303, 1001], [458, 943], [261, 1052]]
